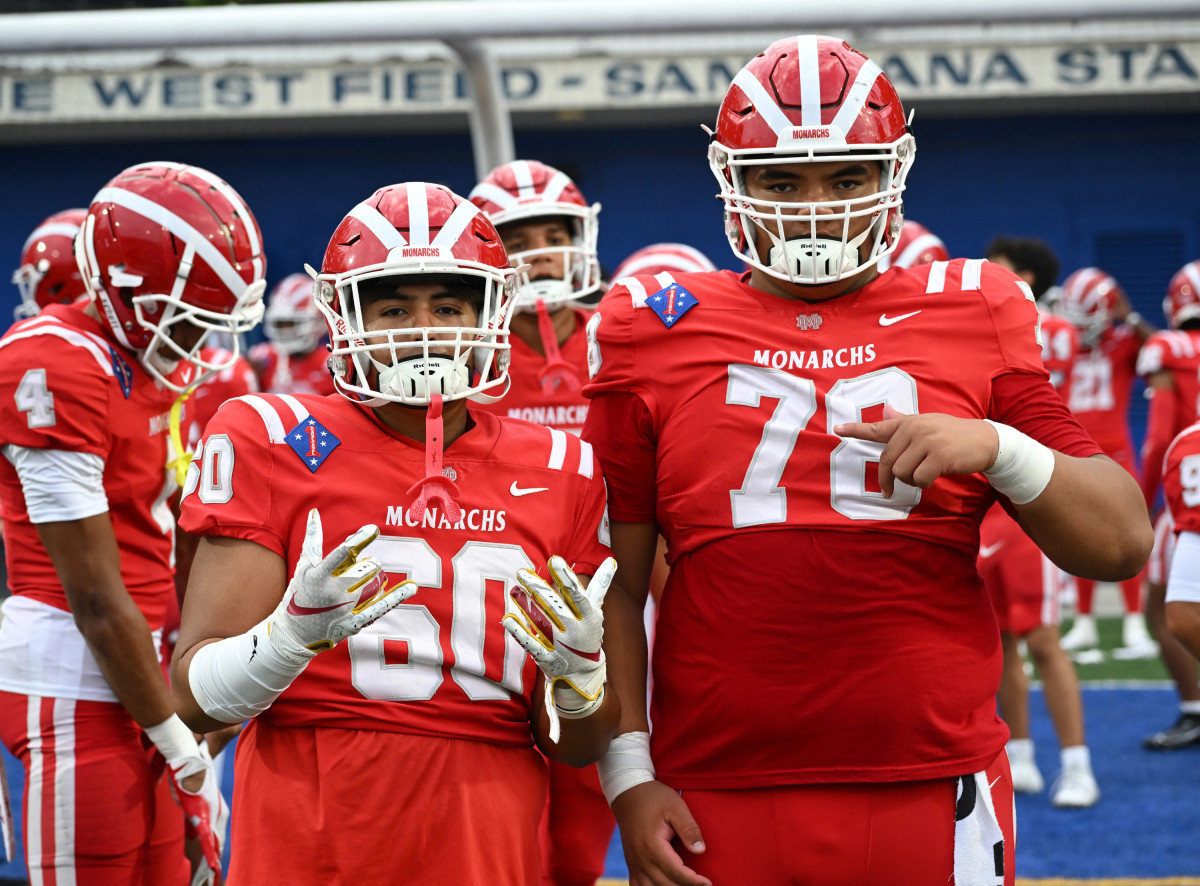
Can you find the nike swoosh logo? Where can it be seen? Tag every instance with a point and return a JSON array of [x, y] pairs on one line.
[[294, 609], [885, 320], [993, 784], [517, 491], [590, 656], [988, 550]]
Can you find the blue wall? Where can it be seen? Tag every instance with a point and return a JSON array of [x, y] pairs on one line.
[[1118, 191]]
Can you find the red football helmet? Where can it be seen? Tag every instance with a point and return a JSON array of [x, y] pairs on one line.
[[1089, 300], [1182, 302], [166, 245], [677, 257], [404, 230], [916, 245], [526, 190], [811, 99], [48, 274], [292, 322]]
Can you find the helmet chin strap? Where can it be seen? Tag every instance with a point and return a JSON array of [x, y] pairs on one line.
[[557, 371], [435, 486], [422, 377], [803, 258], [546, 290]]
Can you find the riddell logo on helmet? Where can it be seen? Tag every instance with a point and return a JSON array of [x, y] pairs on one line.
[[810, 132], [420, 252]]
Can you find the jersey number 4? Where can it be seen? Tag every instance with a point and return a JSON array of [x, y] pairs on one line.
[[761, 500]]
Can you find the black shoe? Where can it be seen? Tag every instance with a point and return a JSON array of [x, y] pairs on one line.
[[1186, 731]]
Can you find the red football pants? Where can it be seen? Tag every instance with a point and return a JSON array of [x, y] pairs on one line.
[[97, 805], [576, 828], [898, 834]]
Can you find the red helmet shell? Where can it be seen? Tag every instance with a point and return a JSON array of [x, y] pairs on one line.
[[1183, 295], [1089, 300], [527, 189], [669, 257], [917, 245], [48, 273]]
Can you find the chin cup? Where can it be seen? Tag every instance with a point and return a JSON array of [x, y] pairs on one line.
[[808, 259], [418, 378]]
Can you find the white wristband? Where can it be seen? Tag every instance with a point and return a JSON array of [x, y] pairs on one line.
[[1023, 466], [239, 677], [173, 739], [627, 764]]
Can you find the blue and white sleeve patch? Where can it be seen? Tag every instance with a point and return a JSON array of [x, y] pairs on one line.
[[313, 442], [122, 371], [671, 303]]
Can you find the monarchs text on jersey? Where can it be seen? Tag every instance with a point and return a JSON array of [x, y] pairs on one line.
[[527, 492], [854, 608]]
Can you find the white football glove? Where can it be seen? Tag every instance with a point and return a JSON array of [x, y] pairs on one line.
[[205, 808], [332, 597], [562, 627]]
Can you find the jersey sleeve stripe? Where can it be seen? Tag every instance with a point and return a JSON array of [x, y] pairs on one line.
[[1186, 432], [558, 448], [937, 277], [972, 273], [275, 429], [586, 460], [296, 406], [664, 279], [636, 290], [79, 339]]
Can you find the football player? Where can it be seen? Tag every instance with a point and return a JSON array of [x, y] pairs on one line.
[[293, 359], [1181, 482], [394, 720], [550, 232], [817, 443], [1111, 333], [916, 245], [659, 257], [1170, 363], [48, 274], [1034, 262], [169, 254]]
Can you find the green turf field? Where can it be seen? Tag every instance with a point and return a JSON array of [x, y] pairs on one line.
[[1111, 668]]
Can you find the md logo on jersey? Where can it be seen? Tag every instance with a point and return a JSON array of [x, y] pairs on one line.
[[312, 442], [122, 371], [672, 303]]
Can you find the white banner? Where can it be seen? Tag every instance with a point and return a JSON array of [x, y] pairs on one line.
[[585, 83]]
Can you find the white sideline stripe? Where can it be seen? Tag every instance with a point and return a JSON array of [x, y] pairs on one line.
[[60, 229], [296, 406], [383, 230], [149, 209], [558, 448], [585, 459], [462, 216], [856, 96], [418, 214], [275, 429], [937, 277], [75, 337], [524, 178], [64, 790], [493, 194], [34, 787], [763, 103], [972, 274], [810, 80]]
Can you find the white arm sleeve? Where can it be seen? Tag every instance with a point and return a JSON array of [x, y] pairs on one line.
[[1184, 582], [59, 484]]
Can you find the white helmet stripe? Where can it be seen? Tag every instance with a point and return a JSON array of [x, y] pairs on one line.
[[383, 230], [810, 80], [149, 209], [64, 229], [856, 96], [240, 208], [762, 102], [455, 225], [915, 248], [494, 194], [418, 214], [524, 179], [1192, 272], [679, 262], [554, 188]]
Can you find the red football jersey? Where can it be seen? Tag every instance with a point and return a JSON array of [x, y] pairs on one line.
[[1100, 383], [1181, 479], [1060, 345], [527, 492], [74, 389], [1177, 352], [294, 374], [525, 398], [809, 624], [235, 381]]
